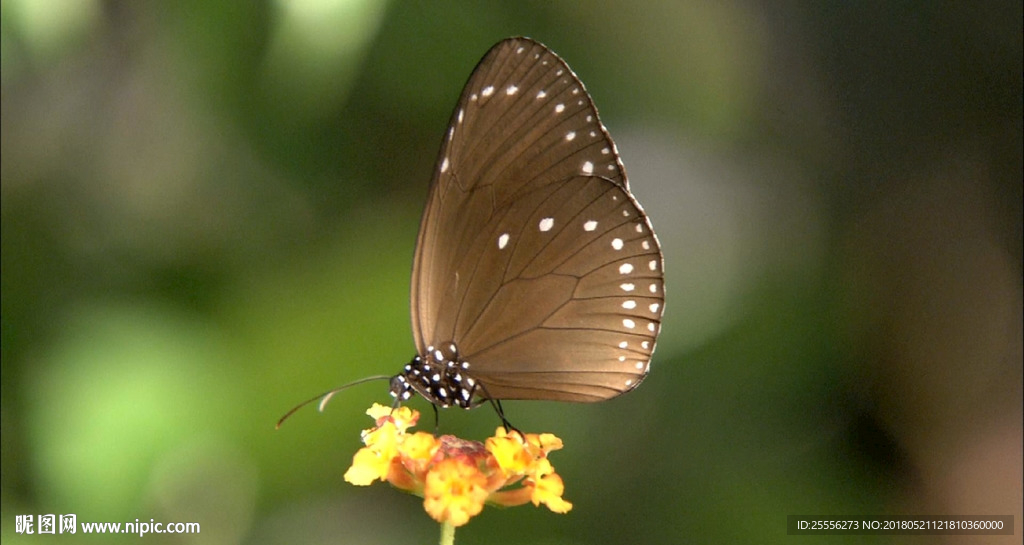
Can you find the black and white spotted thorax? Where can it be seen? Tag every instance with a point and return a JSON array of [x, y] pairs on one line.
[[440, 376]]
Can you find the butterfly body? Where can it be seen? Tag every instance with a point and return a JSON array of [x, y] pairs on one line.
[[537, 274], [440, 376]]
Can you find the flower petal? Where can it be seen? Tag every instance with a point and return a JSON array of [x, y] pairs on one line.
[[367, 466], [454, 492], [548, 490], [510, 454]]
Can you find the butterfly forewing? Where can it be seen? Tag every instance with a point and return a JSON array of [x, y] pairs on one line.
[[533, 257], [524, 116]]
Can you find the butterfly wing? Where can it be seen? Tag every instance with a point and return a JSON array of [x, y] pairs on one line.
[[533, 257]]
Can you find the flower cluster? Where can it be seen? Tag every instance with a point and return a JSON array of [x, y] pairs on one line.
[[456, 477]]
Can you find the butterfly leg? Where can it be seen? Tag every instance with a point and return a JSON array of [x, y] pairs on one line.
[[496, 404], [437, 420]]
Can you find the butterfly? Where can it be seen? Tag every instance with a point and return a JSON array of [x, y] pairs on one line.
[[537, 274]]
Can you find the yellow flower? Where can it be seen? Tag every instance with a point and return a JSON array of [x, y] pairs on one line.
[[509, 454], [455, 491], [548, 488], [456, 477]]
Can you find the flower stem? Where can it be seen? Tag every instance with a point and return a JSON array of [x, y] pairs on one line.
[[447, 533]]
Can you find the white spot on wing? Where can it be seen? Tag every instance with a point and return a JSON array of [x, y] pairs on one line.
[[444, 165], [623, 344], [629, 304], [546, 224], [625, 268], [627, 286], [542, 93], [617, 243], [511, 90], [654, 307], [590, 225], [502, 241], [487, 91], [570, 135], [653, 264], [559, 108], [588, 167], [628, 323]]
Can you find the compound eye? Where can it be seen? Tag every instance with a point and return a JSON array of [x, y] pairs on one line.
[[398, 386]]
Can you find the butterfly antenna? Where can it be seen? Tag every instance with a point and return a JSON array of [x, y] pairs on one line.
[[326, 396]]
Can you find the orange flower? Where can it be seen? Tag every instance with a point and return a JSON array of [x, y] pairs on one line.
[[456, 477], [455, 491]]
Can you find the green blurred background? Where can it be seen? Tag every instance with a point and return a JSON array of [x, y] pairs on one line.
[[209, 211]]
